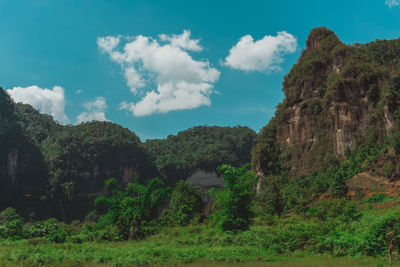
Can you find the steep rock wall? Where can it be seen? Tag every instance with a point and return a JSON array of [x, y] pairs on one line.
[[336, 96]]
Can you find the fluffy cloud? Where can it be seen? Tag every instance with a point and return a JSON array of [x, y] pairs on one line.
[[161, 72], [392, 3], [182, 40], [51, 102], [261, 55], [94, 111]]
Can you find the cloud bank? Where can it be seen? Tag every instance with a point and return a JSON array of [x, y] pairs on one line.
[[94, 111], [164, 64], [262, 55], [51, 102]]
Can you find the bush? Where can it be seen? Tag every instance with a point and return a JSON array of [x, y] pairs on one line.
[[383, 235], [13, 229], [344, 210], [8, 214], [232, 205], [11, 224], [131, 209], [186, 203], [109, 233], [269, 199], [57, 235], [89, 232], [338, 185]]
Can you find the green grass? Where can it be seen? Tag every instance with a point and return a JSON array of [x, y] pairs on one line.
[[297, 240], [156, 254]]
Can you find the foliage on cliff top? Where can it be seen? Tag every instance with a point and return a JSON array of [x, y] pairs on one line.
[[23, 183], [36, 125], [202, 147], [330, 75], [6, 105], [102, 147]]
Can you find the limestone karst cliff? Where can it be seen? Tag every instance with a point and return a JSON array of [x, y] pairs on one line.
[[23, 173], [337, 96]]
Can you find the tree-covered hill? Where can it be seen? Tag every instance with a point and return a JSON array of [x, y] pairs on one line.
[[36, 125], [337, 97], [23, 172], [202, 147], [80, 158]]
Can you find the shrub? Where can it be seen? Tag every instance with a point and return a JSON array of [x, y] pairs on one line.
[[338, 185], [186, 203], [131, 209], [89, 232], [109, 233], [344, 210], [8, 214], [268, 199], [383, 236], [57, 235], [13, 229], [232, 205], [11, 224]]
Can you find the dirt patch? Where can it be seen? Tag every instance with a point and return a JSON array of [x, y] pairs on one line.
[[370, 185], [364, 185]]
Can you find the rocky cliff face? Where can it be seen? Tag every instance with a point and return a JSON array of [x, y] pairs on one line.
[[336, 96], [23, 173]]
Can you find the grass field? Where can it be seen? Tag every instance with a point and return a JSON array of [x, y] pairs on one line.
[[153, 253], [127, 254], [297, 240]]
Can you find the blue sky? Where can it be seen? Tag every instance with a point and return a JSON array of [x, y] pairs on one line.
[[45, 43]]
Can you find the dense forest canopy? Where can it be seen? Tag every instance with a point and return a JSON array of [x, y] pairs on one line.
[[36, 125], [201, 147], [76, 160]]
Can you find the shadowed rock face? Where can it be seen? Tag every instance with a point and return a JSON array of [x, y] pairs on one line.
[[23, 173], [335, 95], [205, 180]]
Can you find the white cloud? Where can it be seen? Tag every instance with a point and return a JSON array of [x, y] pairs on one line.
[[78, 92], [51, 102], [262, 55], [182, 40], [94, 111], [133, 79], [107, 44], [392, 3], [164, 74]]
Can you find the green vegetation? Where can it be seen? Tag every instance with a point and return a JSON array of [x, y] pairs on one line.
[[127, 213], [294, 203], [23, 174], [202, 147], [332, 79], [233, 204], [238, 227], [336, 228], [36, 125], [186, 204], [80, 158]]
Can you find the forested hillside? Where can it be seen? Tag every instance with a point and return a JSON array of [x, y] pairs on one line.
[[23, 173], [69, 164], [202, 147], [337, 98], [36, 125]]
